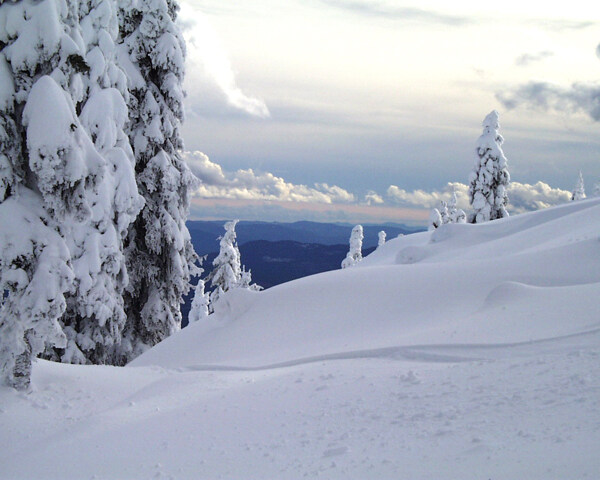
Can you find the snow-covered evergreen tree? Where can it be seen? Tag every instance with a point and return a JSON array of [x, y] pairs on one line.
[[246, 281], [35, 274], [354, 255], [48, 167], [456, 215], [435, 219], [227, 271], [159, 253], [95, 316], [381, 238], [597, 189], [490, 178], [579, 191], [200, 304], [443, 209]]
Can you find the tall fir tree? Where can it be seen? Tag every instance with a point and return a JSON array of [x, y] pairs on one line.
[[159, 253], [490, 178], [95, 316], [227, 271], [48, 167]]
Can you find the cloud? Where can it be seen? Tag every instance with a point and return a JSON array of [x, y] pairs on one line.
[[211, 83], [249, 185], [561, 25], [387, 9], [264, 196], [522, 197], [372, 198], [578, 98], [424, 199], [528, 58], [219, 209]]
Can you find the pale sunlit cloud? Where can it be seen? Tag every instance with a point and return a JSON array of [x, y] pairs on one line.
[[250, 185], [281, 211], [522, 197], [211, 82], [526, 59]]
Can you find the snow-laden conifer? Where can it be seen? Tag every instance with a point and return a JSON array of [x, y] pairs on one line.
[[228, 272], [443, 209], [95, 316], [35, 274], [159, 252], [381, 238], [455, 214], [246, 280], [200, 304], [435, 219], [227, 269], [490, 178], [354, 255], [48, 166], [579, 191]]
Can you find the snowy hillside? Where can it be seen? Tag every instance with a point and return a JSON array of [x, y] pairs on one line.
[[469, 353]]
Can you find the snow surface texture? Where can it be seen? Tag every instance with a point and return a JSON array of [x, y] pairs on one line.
[[470, 352]]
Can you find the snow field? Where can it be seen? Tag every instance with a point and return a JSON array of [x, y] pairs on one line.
[[468, 353]]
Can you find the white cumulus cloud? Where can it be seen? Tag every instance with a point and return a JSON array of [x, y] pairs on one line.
[[250, 185], [523, 197], [373, 198]]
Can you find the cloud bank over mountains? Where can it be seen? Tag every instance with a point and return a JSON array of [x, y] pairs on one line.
[[522, 197], [249, 185], [265, 196]]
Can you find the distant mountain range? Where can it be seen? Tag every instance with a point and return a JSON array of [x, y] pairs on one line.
[[280, 252], [205, 233]]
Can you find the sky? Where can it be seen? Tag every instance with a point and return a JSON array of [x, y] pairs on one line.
[[368, 111]]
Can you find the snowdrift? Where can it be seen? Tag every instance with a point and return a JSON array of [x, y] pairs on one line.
[[469, 353], [529, 278]]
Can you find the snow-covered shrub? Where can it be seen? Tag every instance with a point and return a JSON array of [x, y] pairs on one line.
[[200, 303], [354, 255], [443, 209], [435, 219], [456, 215], [579, 191]]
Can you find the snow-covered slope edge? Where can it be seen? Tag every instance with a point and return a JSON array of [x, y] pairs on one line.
[[528, 278]]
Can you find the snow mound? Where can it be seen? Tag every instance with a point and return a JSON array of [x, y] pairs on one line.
[[528, 278]]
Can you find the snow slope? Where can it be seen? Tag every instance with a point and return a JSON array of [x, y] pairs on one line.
[[523, 279], [469, 353]]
